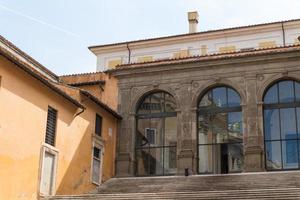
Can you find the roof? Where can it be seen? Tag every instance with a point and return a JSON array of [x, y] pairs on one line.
[[210, 57], [70, 93], [87, 83], [37, 75], [76, 92], [190, 34], [21, 53], [84, 79], [100, 103]]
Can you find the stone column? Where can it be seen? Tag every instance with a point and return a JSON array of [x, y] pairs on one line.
[[186, 135], [125, 148], [253, 144]]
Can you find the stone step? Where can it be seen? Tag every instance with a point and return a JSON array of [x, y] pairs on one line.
[[275, 185], [284, 193], [202, 183]]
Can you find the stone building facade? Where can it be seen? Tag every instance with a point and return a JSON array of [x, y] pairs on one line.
[[250, 74]]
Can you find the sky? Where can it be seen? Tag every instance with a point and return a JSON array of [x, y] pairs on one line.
[[57, 32]]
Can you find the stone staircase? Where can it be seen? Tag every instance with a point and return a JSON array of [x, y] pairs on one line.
[[271, 185]]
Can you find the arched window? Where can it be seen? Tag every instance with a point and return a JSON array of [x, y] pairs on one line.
[[156, 135], [220, 132], [282, 125]]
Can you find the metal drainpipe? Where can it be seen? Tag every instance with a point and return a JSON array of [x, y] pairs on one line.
[[129, 53], [283, 33]]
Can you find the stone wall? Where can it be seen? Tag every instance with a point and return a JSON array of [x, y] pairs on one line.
[[249, 76]]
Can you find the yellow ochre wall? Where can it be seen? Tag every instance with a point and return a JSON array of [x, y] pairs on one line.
[[23, 113]]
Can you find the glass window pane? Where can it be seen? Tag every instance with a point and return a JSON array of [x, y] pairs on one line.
[[233, 98], [206, 100], [209, 159], [272, 95], [142, 159], [96, 171], [271, 124], [288, 123], [219, 97], [169, 103], [170, 131], [298, 121], [235, 157], [286, 91], [297, 90], [290, 154], [156, 161], [96, 152], [170, 160], [141, 133], [235, 127], [273, 155], [219, 127], [157, 127], [145, 106], [157, 103], [204, 132]]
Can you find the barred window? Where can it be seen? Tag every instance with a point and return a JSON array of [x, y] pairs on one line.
[[96, 165], [51, 126]]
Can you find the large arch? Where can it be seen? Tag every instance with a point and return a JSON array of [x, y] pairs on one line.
[[220, 131], [156, 134], [270, 81], [281, 114], [214, 83], [140, 94]]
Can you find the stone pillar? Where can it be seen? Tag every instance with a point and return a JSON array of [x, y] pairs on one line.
[[125, 144], [186, 135], [253, 144]]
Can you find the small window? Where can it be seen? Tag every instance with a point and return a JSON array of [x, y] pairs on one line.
[[96, 165], [150, 135], [98, 127], [51, 126]]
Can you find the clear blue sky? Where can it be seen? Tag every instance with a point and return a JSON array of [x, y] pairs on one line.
[[58, 32]]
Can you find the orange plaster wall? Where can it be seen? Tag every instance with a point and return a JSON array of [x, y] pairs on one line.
[[24, 102], [109, 94]]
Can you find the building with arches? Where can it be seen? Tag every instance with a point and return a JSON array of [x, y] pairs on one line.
[[204, 103], [221, 110], [221, 119]]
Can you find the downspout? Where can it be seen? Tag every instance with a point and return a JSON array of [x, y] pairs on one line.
[[83, 109], [283, 33], [80, 112], [129, 53]]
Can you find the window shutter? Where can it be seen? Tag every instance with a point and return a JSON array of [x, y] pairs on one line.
[[98, 128], [51, 126], [96, 165]]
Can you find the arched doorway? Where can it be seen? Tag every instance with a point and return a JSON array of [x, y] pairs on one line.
[[282, 125], [156, 135], [220, 132]]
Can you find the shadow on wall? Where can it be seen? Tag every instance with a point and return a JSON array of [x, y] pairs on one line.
[[77, 175], [34, 92]]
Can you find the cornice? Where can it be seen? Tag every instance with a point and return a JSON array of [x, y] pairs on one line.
[[202, 65]]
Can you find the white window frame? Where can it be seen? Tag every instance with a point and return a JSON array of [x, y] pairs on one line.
[[54, 151], [99, 145]]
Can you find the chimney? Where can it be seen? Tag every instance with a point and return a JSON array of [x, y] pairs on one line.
[[193, 21]]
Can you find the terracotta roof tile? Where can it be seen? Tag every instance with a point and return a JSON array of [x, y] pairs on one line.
[[84, 79], [33, 72], [29, 58], [101, 104], [207, 57]]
